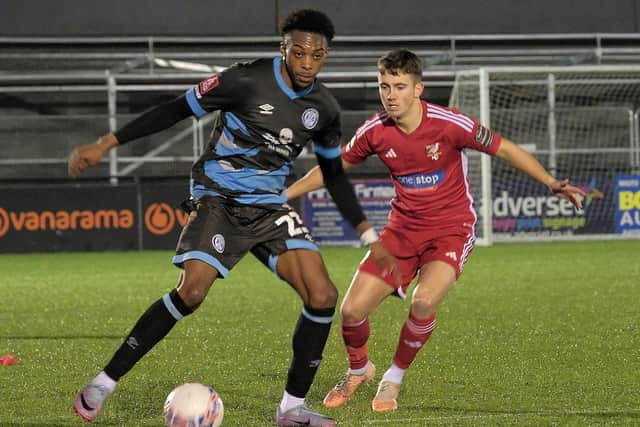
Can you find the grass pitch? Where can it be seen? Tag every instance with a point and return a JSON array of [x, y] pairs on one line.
[[532, 334]]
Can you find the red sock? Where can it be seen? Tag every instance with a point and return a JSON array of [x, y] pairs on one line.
[[414, 333], [355, 337]]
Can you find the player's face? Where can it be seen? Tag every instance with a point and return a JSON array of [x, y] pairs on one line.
[[304, 55], [399, 93]]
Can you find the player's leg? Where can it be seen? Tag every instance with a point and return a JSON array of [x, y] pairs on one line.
[[288, 250], [154, 324], [435, 280], [305, 282], [193, 286], [200, 270], [368, 289], [365, 294], [443, 262], [305, 271]]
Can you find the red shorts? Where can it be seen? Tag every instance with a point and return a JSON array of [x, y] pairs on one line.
[[415, 249]]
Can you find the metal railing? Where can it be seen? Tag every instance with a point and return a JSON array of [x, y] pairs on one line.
[[108, 67], [438, 51]]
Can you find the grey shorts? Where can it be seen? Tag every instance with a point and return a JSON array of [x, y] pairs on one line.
[[221, 233]]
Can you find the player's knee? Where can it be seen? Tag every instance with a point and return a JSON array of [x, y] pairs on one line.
[[192, 296], [423, 307], [351, 314], [325, 297]]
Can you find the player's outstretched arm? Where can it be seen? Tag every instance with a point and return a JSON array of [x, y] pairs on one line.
[[564, 190], [311, 181], [156, 119], [85, 156], [525, 162], [345, 199]]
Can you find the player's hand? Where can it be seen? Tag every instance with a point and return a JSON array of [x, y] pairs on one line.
[[85, 156], [385, 261], [564, 190]]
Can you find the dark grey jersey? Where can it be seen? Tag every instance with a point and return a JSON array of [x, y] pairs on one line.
[[261, 126]]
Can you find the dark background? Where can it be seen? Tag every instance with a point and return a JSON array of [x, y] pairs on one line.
[[351, 17]]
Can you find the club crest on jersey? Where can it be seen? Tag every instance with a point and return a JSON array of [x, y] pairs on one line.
[[310, 118], [208, 85], [433, 151], [218, 243]]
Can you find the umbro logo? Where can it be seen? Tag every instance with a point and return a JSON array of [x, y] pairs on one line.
[[390, 154], [132, 342], [452, 255], [266, 109]]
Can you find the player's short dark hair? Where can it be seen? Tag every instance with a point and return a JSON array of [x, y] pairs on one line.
[[309, 21], [400, 60]]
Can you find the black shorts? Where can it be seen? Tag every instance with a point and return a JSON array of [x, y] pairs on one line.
[[221, 233]]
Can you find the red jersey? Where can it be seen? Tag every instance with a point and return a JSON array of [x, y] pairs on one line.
[[428, 166]]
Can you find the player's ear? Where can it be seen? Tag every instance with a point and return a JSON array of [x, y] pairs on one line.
[[418, 89], [283, 49]]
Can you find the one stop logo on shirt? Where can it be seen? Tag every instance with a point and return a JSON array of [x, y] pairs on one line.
[[421, 180]]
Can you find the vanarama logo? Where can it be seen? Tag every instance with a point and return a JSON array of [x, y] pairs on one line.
[[160, 218], [32, 221], [4, 222]]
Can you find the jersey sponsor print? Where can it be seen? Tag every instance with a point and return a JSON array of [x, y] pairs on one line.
[[428, 167]]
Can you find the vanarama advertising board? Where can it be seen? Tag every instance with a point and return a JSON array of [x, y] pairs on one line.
[[46, 218], [161, 214], [147, 215], [91, 217]]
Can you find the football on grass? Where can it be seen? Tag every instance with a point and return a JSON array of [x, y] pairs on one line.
[[193, 405]]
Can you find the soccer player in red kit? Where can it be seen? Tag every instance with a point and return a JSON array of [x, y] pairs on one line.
[[431, 225]]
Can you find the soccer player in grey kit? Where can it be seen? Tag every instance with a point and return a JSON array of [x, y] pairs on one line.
[[266, 112]]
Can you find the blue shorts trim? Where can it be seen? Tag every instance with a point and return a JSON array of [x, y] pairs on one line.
[[291, 244], [179, 260], [273, 261], [301, 244]]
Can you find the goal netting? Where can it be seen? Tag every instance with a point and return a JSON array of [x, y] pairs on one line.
[[581, 123]]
